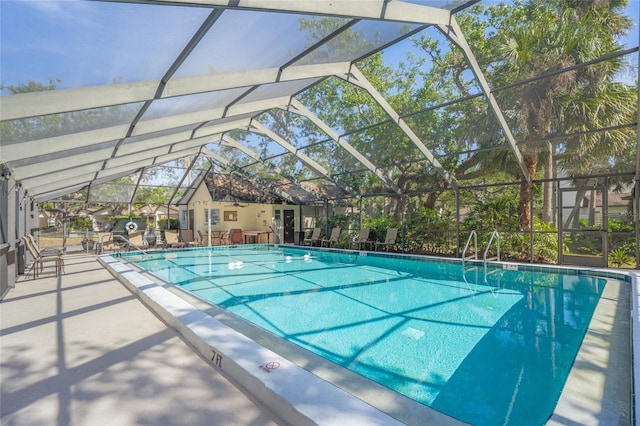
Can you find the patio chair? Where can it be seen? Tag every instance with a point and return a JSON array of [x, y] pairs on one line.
[[106, 242], [335, 235], [313, 239], [136, 239], [40, 258], [204, 239], [172, 239], [42, 250], [235, 236], [363, 238], [225, 239], [187, 237], [389, 239]]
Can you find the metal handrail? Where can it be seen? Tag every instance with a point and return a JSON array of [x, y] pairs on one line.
[[475, 245], [126, 240], [486, 251]]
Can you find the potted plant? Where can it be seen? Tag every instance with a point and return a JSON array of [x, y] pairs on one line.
[[87, 244], [87, 241]]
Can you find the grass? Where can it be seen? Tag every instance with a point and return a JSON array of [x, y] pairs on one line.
[[57, 241]]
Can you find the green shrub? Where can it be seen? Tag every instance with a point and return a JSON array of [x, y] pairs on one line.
[[81, 223], [174, 223], [619, 258], [378, 227], [341, 221]]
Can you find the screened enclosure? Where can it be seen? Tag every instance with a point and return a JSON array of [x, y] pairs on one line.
[[440, 118]]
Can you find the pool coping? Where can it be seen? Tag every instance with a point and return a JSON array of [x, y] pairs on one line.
[[299, 410]]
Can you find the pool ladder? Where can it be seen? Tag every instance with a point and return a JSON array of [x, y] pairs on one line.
[[496, 236], [473, 236], [474, 256]]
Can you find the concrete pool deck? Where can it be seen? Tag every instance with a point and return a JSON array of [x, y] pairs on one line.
[[79, 349]]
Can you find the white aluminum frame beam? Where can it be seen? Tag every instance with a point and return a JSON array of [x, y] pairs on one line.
[[356, 77], [62, 143], [27, 105], [454, 33], [259, 128], [45, 167], [298, 108], [177, 147], [184, 177], [52, 195], [108, 134], [229, 141], [379, 10], [80, 175], [83, 180]]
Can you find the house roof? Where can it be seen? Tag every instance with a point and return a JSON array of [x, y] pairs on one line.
[[614, 199]]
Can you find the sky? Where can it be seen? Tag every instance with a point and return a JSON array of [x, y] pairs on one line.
[[91, 43], [96, 43]]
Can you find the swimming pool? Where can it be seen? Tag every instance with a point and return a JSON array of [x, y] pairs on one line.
[[484, 348]]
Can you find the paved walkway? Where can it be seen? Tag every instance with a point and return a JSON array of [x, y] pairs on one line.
[[82, 350]]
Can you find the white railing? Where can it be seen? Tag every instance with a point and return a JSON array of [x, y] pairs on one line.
[[495, 236], [474, 256], [129, 243]]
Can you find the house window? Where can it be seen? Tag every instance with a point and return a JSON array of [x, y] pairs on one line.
[[277, 217], [213, 214]]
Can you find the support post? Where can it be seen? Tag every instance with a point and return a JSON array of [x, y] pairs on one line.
[[457, 222], [531, 189], [636, 195]]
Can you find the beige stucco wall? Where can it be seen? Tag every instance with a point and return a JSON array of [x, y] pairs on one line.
[[248, 216]]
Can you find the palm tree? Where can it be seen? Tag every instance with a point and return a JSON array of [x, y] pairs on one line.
[[559, 35]]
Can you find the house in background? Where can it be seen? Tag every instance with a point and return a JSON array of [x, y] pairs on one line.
[[154, 213], [202, 214], [617, 206], [221, 202], [102, 217], [225, 201], [46, 219]]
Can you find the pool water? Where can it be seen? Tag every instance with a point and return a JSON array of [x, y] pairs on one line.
[[485, 347]]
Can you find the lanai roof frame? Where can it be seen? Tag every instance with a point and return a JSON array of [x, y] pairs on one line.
[[36, 104]]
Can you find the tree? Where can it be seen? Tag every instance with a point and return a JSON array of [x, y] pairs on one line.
[[556, 35], [525, 41]]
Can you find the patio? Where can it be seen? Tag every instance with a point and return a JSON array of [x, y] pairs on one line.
[[81, 349]]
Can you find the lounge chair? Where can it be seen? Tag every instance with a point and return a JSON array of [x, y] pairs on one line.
[[363, 238], [172, 239], [313, 239], [335, 235], [40, 258], [389, 239]]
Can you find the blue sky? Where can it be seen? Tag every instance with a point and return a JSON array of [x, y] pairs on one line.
[[92, 43]]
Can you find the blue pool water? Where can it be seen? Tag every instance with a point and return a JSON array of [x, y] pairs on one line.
[[487, 349]]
